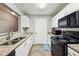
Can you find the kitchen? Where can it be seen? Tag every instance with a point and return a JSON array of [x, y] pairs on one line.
[[39, 29]]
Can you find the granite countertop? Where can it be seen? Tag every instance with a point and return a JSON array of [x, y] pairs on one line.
[[74, 47], [5, 50]]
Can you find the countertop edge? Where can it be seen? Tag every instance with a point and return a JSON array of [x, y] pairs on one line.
[[16, 45], [73, 49], [21, 42]]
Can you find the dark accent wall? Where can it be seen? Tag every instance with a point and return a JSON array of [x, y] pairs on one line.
[[7, 20]]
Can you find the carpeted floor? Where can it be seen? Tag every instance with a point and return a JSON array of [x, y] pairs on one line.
[[40, 50]]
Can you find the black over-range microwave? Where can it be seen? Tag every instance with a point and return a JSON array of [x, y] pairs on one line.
[[69, 21]]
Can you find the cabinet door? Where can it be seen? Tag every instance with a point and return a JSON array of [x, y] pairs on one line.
[[24, 49], [24, 22], [27, 22], [29, 45], [20, 50], [33, 38]]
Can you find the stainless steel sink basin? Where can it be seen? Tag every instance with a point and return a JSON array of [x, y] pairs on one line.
[[14, 41], [9, 43], [19, 38]]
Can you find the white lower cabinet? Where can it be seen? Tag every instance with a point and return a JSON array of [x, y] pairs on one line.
[[24, 48], [20, 51], [71, 52]]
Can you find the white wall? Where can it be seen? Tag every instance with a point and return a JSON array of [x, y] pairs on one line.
[[32, 22], [49, 23]]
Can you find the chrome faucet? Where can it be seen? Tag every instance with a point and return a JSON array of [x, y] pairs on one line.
[[10, 34]]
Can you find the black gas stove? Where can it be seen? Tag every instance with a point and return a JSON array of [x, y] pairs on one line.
[[59, 43]]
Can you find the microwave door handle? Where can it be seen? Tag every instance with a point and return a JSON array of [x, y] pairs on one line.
[[77, 21], [68, 21]]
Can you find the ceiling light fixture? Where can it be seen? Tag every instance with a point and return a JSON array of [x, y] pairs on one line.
[[13, 13], [41, 5]]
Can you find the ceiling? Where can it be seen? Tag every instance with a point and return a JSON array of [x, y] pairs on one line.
[[32, 9]]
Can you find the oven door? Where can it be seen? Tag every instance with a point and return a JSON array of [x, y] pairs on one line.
[[57, 49]]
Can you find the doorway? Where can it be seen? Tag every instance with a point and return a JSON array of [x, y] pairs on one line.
[[41, 31]]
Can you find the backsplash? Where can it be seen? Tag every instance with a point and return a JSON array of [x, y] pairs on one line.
[[7, 20]]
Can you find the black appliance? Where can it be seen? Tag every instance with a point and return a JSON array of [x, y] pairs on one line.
[[69, 21], [56, 32], [63, 22], [59, 43]]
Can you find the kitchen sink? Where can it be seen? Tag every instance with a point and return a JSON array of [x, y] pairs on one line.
[[9, 43], [19, 38], [14, 41]]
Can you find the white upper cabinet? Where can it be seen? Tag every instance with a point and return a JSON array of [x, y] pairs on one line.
[[70, 8], [24, 21], [54, 22]]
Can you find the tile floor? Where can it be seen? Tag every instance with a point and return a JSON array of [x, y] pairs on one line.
[[40, 50]]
